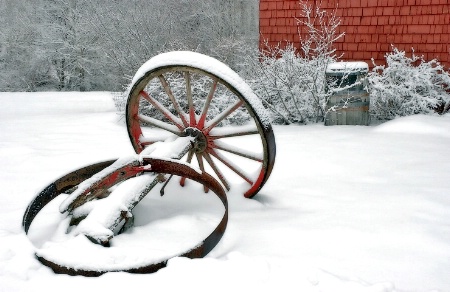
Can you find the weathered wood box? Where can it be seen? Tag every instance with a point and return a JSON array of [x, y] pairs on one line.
[[349, 101]]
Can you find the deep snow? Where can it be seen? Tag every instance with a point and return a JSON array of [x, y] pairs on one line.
[[347, 208]]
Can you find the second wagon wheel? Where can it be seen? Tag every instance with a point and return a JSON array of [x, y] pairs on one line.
[[190, 94]]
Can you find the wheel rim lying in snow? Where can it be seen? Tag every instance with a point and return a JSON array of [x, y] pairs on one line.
[[189, 114], [158, 166]]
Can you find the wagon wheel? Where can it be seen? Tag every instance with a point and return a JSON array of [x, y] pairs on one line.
[[146, 264], [189, 94]]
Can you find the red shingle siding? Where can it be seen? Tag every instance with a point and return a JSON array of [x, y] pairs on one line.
[[370, 26]]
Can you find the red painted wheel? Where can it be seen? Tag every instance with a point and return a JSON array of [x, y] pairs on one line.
[[189, 94]]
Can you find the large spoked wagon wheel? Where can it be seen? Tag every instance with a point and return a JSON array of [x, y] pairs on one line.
[[180, 94]]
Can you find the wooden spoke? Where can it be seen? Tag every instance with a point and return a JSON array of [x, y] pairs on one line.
[[159, 124], [171, 117], [231, 166], [223, 115], [216, 170], [235, 131], [192, 119], [237, 151], [202, 168], [188, 160], [172, 98], [201, 122]]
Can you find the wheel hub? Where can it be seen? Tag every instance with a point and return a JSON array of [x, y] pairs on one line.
[[200, 142]]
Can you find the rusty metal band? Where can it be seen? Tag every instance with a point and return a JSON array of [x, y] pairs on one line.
[[157, 165]]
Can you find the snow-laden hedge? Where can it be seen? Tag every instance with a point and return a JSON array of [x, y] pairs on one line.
[[408, 86], [291, 85]]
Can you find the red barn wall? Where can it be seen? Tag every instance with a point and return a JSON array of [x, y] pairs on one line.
[[370, 26]]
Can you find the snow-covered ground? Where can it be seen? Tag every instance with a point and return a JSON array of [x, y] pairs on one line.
[[347, 208]]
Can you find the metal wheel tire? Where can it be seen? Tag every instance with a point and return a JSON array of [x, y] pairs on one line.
[[186, 93], [74, 178]]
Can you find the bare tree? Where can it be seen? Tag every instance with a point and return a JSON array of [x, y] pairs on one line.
[[71, 48], [98, 45], [18, 68]]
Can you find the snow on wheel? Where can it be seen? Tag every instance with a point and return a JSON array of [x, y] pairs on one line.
[[180, 94]]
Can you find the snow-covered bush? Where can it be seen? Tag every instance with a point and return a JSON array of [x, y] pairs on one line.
[[291, 87], [290, 80], [408, 86]]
